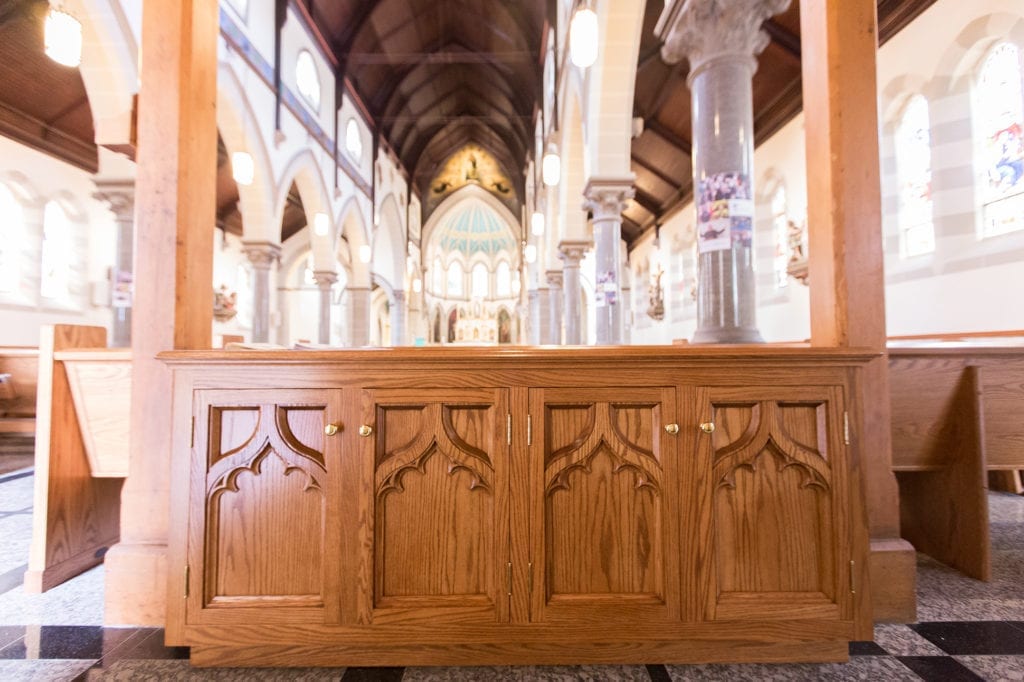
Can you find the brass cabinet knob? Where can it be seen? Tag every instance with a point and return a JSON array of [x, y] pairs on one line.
[[365, 430], [672, 428], [332, 429], [708, 427]]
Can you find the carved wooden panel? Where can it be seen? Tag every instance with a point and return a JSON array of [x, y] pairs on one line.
[[603, 529], [265, 461], [440, 495], [778, 527]]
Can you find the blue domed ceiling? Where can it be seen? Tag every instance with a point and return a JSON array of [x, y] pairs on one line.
[[473, 227]]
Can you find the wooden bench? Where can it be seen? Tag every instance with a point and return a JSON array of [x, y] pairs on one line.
[[957, 414], [81, 454], [18, 369]]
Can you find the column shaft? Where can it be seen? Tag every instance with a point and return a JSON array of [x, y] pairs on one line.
[[554, 335], [263, 256], [571, 253], [359, 315], [325, 279], [398, 308], [606, 199]]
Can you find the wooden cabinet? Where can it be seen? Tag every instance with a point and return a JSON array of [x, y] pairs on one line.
[[604, 514], [435, 475], [263, 496], [772, 505], [466, 512]]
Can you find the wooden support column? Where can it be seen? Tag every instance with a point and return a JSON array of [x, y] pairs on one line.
[[847, 281], [173, 304]]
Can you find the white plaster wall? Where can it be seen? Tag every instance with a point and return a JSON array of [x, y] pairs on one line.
[[94, 237]]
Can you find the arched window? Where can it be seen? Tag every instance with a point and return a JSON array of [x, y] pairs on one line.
[[307, 79], [55, 281], [454, 283], [353, 140], [780, 237], [914, 177], [503, 280], [1000, 131], [437, 278], [12, 240], [481, 287]]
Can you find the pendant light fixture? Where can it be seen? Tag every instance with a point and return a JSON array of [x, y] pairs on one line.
[[551, 166], [537, 223], [243, 170], [62, 37], [583, 36]]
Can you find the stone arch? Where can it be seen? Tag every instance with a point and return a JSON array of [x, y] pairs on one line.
[[304, 171], [238, 127], [573, 218], [389, 243], [110, 55], [611, 87], [352, 226], [458, 196]]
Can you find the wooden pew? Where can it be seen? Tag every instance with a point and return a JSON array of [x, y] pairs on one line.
[[81, 452], [957, 414], [18, 369]]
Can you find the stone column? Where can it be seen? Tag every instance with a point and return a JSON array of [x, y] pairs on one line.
[[119, 195], [325, 279], [398, 319], [721, 40], [554, 335], [606, 199], [571, 253], [359, 315], [263, 256]]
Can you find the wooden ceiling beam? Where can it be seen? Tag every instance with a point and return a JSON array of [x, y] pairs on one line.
[[656, 172], [647, 201], [683, 146], [787, 40]]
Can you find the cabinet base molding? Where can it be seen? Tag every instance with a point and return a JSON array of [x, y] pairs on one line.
[[574, 652]]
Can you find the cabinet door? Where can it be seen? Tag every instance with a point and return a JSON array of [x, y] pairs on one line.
[[604, 508], [436, 474], [262, 533], [774, 533]]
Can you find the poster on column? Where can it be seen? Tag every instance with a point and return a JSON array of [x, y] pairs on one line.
[[607, 289], [725, 212]]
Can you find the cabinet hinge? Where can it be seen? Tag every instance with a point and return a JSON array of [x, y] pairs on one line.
[[846, 427], [508, 429], [192, 434], [508, 577], [186, 580], [853, 566], [529, 430]]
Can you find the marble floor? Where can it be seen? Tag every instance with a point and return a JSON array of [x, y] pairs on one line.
[[968, 630]]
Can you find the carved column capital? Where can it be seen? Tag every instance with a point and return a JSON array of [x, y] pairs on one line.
[[119, 195], [571, 252], [607, 198], [705, 30], [325, 278], [262, 255], [554, 278]]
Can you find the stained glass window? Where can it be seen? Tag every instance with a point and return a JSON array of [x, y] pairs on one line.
[[12, 240], [454, 287], [353, 140], [57, 250], [780, 238], [914, 179], [1000, 129], [307, 79], [503, 280], [481, 286]]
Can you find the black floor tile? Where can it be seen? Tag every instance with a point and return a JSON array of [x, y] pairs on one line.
[[373, 675], [974, 638], [658, 673], [866, 649], [148, 645], [67, 641], [939, 668]]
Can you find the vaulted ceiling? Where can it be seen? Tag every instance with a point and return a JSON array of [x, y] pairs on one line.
[[435, 76]]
